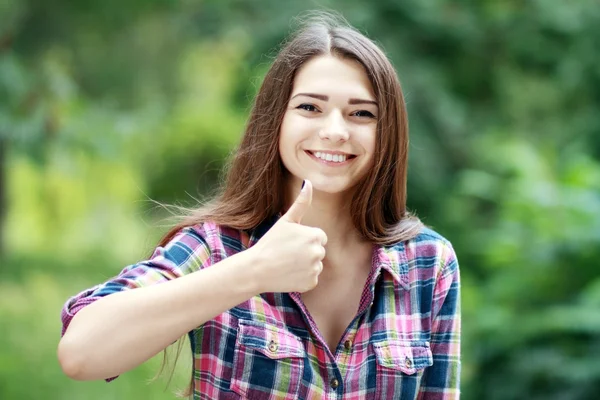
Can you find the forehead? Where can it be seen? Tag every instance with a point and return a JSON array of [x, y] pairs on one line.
[[333, 76]]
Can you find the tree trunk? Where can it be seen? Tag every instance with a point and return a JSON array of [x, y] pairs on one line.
[[3, 211], [6, 41]]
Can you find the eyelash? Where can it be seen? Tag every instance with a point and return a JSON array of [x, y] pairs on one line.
[[304, 106]]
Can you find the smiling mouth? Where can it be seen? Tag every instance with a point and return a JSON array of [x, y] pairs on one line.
[[330, 158]]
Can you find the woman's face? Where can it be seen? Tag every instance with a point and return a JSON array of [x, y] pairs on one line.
[[328, 130]]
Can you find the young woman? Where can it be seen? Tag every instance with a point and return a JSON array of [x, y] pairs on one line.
[[306, 278]]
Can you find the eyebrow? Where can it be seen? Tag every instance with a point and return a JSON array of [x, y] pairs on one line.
[[326, 98]]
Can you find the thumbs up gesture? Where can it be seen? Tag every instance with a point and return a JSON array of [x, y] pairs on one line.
[[290, 254]]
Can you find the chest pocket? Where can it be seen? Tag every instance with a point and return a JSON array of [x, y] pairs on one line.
[[400, 367], [267, 363]]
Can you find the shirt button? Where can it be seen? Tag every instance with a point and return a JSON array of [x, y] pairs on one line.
[[334, 383], [348, 344], [273, 346]]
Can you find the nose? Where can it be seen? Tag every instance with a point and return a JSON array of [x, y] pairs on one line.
[[334, 128]]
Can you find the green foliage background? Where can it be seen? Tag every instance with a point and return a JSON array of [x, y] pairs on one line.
[[106, 105]]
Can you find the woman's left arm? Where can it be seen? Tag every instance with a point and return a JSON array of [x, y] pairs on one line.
[[441, 381]]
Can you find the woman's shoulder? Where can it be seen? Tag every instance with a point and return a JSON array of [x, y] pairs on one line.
[[430, 236], [428, 247], [425, 238], [219, 237], [211, 234]]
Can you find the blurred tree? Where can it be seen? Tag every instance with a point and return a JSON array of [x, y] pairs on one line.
[[64, 65], [3, 163], [503, 101]]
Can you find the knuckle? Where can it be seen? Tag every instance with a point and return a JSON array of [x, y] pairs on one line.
[[318, 254], [323, 238], [309, 285]]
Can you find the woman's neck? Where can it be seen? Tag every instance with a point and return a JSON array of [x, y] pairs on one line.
[[330, 213]]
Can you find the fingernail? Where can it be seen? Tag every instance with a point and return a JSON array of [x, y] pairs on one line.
[[303, 183]]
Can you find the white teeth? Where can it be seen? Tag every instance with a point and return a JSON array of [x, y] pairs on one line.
[[331, 157]]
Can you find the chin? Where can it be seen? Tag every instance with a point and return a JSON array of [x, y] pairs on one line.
[[325, 186]]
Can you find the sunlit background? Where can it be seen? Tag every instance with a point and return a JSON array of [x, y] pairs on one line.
[[107, 105]]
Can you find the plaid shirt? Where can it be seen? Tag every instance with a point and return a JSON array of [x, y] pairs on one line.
[[404, 342]]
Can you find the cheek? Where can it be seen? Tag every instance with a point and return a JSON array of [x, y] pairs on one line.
[[368, 139], [288, 141], [284, 136], [292, 132]]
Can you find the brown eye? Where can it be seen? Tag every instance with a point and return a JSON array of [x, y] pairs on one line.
[[307, 107], [364, 114]]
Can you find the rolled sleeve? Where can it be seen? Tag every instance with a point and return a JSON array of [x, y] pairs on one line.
[[186, 252]]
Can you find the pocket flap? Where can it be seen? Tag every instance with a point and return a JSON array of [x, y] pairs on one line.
[[406, 356], [274, 341]]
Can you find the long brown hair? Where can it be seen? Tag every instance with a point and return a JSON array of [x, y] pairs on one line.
[[253, 188]]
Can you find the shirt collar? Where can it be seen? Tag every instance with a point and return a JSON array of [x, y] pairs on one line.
[[393, 260]]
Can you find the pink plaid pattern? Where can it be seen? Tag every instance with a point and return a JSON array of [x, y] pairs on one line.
[[404, 342]]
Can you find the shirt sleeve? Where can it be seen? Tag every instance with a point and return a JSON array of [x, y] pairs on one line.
[[186, 252], [441, 381]]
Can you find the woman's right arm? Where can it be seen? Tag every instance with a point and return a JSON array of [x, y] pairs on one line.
[[114, 333], [110, 329]]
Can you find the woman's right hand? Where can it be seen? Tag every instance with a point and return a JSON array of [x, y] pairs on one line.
[[290, 254]]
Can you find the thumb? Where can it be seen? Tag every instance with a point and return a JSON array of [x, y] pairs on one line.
[[301, 205]]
